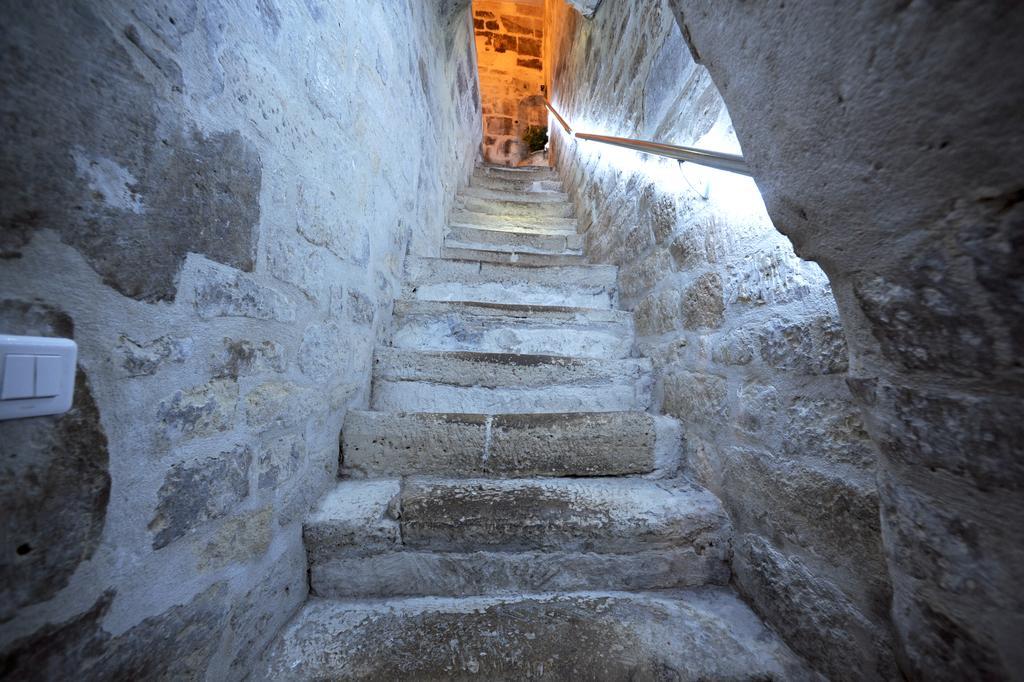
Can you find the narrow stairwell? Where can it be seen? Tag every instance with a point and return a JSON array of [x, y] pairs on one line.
[[509, 509]]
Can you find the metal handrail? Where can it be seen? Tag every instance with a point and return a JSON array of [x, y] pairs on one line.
[[734, 163], [558, 116]]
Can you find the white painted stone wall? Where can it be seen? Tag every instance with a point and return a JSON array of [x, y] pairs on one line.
[[215, 200], [748, 347]]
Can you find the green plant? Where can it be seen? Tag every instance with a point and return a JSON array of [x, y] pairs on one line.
[[535, 137]]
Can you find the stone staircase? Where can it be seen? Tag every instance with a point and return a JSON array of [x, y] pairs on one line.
[[508, 509]]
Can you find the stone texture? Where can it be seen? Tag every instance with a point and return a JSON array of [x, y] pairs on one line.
[[194, 493], [658, 312], [238, 540], [223, 292], [422, 381], [323, 349], [415, 573], [508, 328], [829, 514], [831, 429], [924, 276], [706, 634], [355, 516], [197, 412], [813, 346], [388, 444], [606, 444], [586, 286], [131, 193], [702, 303], [280, 405], [88, 651], [145, 358], [242, 357], [745, 338], [265, 609], [619, 516], [695, 398], [772, 277], [737, 347], [467, 445], [279, 460], [55, 483], [817, 612], [194, 187]]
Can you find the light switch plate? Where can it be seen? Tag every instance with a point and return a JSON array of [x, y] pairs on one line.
[[53, 373]]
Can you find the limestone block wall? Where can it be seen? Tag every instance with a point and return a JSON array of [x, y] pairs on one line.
[[748, 346], [886, 142], [509, 43], [214, 200]]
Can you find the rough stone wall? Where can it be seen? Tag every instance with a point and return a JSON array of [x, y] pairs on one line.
[[214, 199], [747, 342], [509, 44], [886, 142]]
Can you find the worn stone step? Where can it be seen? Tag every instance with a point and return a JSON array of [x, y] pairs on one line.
[[684, 635], [459, 381], [490, 253], [551, 197], [408, 572], [510, 328], [524, 172], [381, 444], [607, 515], [517, 185], [522, 223], [439, 279], [515, 207], [503, 253], [521, 240], [384, 537]]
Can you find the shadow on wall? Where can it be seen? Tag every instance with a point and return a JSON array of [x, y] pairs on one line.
[[747, 343]]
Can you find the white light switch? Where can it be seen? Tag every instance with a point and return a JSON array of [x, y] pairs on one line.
[[19, 377], [48, 375], [38, 375]]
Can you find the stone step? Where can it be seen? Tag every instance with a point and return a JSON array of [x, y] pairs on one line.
[[517, 185], [533, 241], [488, 253], [461, 216], [515, 207], [438, 279], [382, 444], [607, 515], [388, 537], [510, 328], [686, 635], [459, 381], [522, 173], [527, 197]]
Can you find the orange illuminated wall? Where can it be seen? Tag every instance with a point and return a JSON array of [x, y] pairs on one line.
[[509, 44]]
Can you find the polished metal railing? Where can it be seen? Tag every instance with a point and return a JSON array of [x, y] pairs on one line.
[[733, 163]]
